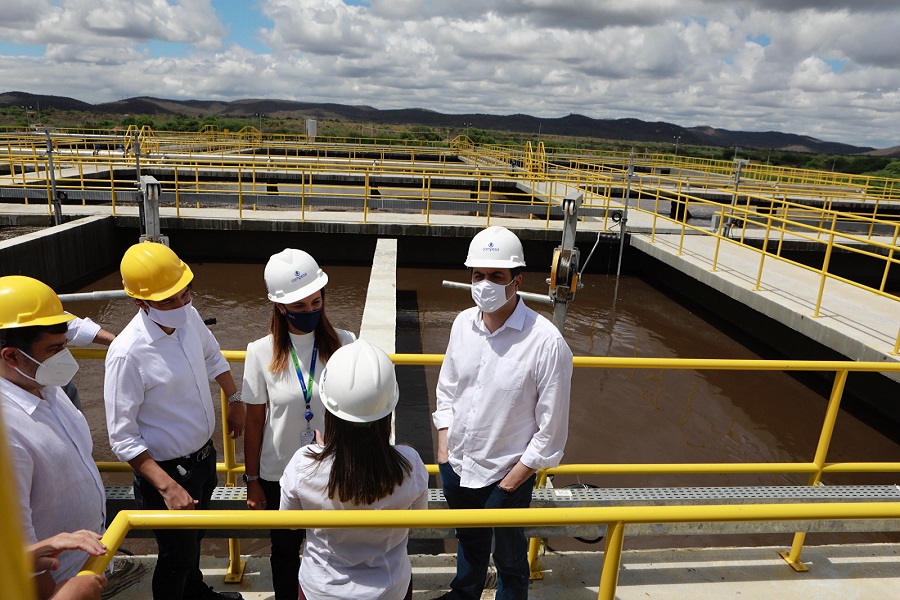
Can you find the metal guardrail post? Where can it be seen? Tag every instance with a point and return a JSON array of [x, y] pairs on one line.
[[831, 414], [535, 544], [236, 566], [241, 191], [612, 560], [763, 252], [824, 271]]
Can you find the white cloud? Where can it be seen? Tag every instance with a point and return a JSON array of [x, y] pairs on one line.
[[824, 68]]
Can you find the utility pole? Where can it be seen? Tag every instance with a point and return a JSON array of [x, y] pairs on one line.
[[739, 162], [677, 137], [51, 173]]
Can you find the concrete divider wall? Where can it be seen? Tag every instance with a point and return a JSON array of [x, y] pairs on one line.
[[65, 256]]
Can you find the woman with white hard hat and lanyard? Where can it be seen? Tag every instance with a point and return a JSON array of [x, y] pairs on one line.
[[281, 392], [356, 467]]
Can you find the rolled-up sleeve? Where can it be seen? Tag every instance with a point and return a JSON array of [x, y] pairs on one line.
[[81, 332], [551, 412]]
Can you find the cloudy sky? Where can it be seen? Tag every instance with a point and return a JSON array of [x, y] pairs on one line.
[[825, 68]]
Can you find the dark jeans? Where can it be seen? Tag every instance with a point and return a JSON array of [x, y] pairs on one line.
[[286, 543], [177, 575], [474, 545]]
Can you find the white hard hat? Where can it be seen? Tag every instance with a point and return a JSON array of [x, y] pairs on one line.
[[359, 383], [293, 275], [495, 247]]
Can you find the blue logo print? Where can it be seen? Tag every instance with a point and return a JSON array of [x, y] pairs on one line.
[[298, 276], [490, 248]]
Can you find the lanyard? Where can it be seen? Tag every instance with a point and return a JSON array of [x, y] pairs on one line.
[[306, 389]]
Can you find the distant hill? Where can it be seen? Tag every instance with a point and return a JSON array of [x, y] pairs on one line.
[[573, 124]]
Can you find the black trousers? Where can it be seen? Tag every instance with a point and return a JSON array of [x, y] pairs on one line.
[[177, 575], [286, 544]]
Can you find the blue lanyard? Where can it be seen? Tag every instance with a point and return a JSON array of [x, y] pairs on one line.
[[306, 389]]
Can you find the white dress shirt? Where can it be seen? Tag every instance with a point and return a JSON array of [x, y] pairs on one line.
[[363, 564], [504, 396], [81, 332], [286, 406], [156, 388], [57, 483]]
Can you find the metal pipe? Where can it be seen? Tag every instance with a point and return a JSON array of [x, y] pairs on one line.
[[524, 295], [99, 295], [624, 222], [51, 173]]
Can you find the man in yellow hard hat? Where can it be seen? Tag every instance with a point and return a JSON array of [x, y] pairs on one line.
[[159, 409], [57, 482]]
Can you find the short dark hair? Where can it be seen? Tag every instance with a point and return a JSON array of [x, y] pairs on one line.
[[24, 338]]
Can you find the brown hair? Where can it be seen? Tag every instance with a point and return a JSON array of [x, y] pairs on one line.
[[326, 337], [365, 467]]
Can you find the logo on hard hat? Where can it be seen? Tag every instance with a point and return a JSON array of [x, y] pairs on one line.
[[298, 276], [490, 248]]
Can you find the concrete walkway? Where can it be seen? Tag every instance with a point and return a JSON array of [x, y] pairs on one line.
[[836, 572]]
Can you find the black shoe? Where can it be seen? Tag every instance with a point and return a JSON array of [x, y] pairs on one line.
[[214, 595]]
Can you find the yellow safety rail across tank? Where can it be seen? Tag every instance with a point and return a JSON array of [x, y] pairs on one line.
[[815, 469], [615, 518]]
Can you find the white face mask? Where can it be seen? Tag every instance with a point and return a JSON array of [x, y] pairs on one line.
[[174, 318], [59, 369], [490, 297]]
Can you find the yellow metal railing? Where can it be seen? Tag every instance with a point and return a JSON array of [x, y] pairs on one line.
[[815, 468], [615, 518], [248, 150], [781, 222]]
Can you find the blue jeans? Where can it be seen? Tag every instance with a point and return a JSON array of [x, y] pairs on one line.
[[474, 545]]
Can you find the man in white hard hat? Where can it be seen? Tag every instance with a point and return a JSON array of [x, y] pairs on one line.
[[160, 413], [57, 483], [502, 412]]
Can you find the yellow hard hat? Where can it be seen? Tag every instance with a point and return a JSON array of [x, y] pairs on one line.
[[25, 302], [151, 271]]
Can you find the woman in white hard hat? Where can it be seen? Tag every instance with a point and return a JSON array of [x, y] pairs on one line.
[[356, 468], [281, 390]]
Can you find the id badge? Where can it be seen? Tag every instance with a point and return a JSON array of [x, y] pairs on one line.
[[307, 437]]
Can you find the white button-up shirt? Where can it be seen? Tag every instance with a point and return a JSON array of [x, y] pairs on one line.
[[504, 396], [363, 564], [156, 388], [81, 332], [57, 483]]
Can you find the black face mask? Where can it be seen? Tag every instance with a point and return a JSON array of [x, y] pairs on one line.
[[304, 321]]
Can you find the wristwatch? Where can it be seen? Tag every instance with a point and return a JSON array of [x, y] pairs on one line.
[[235, 397], [249, 478]]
